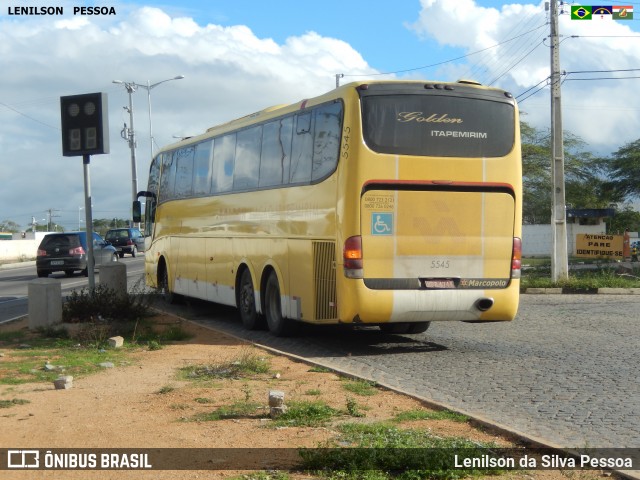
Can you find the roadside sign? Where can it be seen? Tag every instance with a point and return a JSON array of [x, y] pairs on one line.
[[599, 246]]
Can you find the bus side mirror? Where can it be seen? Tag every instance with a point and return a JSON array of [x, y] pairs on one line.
[[137, 211]]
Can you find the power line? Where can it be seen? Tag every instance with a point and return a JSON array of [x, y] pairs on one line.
[[445, 61], [599, 78], [490, 62], [514, 65], [28, 116], [606, 71], [566, 79]]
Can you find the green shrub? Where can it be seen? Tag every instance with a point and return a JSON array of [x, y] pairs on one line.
[[104, 305]]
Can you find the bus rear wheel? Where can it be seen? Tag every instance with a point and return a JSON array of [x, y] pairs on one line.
[[247, 303], [278, 325]]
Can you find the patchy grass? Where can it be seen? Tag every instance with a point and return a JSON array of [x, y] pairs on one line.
[[413, 415], [306, 414], [605, 277], [245, 365], [380, 451], [166, 389], [361, 387], [26, 362], [240, 409], [319, 369], [13, 403]]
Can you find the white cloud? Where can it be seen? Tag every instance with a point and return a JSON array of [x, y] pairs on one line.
[[603, 112], [229, 72]]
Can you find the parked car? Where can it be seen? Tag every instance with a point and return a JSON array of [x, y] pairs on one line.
[[67, 252], [126, 240]]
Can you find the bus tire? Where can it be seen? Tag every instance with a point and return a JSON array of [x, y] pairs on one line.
[[247, 303], [278, 325], [399, 327], [418, 327], [163, 287]]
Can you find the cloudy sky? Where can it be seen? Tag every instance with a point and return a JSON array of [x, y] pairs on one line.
[[240, 56]]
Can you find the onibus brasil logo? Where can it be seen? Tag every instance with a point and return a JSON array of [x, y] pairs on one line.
[[602, 12]]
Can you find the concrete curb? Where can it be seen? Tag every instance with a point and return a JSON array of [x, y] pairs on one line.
[[599, 291], [10, 266], [475, 417]]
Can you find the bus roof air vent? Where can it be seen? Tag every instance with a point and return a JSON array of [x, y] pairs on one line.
[[467, 81]]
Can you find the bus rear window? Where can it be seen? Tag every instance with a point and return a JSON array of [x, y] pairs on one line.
[[439, 126]]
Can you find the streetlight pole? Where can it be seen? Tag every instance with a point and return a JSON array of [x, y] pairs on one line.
[[129, 134], [149, 87]]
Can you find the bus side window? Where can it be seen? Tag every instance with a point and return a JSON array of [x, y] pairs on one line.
[[247, 166], [168, 176], [154, 175], [276, 152], [184, 172], [223, 163], [326, 145], [302, 149], [202, 168]]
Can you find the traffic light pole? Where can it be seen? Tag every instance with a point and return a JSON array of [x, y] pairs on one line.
[[85, 131], [86, 159]]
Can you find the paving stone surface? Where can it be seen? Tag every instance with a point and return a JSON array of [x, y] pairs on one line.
[[566, 371]]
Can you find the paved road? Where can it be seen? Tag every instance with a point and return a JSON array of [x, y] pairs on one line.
[[566, 371], [14, 283]]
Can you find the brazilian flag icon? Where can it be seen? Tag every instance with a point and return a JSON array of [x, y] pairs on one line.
[[580, 13]]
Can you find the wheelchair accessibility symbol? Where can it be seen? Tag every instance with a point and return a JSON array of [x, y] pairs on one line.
[[382, 224]]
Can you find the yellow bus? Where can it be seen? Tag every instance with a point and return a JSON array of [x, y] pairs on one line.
[[383, 203]]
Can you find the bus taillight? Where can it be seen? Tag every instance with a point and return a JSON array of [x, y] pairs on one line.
[[352, 255], [516, 259]]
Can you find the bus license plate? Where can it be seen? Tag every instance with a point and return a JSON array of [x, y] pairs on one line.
[[57, 262], [439, 283]]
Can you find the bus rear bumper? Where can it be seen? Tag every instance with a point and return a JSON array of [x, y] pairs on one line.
[[433, 305]]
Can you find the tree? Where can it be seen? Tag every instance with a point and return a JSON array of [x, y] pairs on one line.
[[9, 226], [585, 184], [101, 225], [624, 171], [623, 219]]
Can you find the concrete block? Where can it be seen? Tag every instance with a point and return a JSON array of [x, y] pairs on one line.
[[116, 342], [45, 302], [275, 412], [64, 382], [276, 398], [114, 277]]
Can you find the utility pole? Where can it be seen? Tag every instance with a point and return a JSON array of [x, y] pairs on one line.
[[50, 215], [559, 255], [129, 135]]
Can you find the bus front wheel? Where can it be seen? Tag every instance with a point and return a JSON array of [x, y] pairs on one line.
[[247, 302], [163, 286], [278, 325]]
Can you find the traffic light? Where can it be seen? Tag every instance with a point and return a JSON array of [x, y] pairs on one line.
[[85, 124]]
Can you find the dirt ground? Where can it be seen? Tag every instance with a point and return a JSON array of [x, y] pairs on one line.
[[146, 404]]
